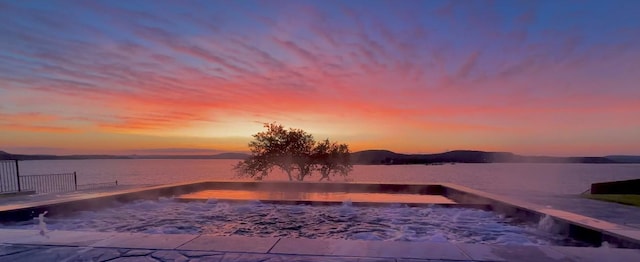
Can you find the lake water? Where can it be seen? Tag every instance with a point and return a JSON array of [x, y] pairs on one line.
[[508, 179]]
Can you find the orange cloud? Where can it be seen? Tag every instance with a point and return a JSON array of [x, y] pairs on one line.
[[34, 122], [39, 128]]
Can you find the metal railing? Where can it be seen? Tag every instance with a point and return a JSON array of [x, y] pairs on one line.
[[50, 183], [9, 176], [11, 181]]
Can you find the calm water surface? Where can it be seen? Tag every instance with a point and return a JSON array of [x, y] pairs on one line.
[[508, 179]]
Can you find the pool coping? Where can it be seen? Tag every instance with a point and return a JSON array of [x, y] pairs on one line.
[[577, 226]]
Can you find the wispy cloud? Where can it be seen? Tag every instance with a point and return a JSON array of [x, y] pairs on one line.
[[429, 66]]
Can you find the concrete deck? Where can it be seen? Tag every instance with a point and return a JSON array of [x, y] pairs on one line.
[[29, 245]]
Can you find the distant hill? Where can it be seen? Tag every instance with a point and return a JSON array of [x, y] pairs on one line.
[[385, 157], [624, 158], [217, 156], [374, 157], [368, 157]]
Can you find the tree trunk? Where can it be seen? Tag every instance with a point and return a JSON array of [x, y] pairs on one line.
[[324, 175]]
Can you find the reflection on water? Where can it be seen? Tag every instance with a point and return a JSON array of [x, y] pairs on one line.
[[317, 196]]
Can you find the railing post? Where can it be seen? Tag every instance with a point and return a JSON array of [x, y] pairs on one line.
[[18, 175], [75, 181]]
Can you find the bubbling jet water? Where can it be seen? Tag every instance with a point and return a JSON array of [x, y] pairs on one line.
[[42, 225], [546, 224], [550, 225], [346, 220]]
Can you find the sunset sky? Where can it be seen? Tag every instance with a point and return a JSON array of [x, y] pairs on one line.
[[122, 77]]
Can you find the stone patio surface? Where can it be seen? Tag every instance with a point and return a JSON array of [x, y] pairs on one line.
[[30, 245]]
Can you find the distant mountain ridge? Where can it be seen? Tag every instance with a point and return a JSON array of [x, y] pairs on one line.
[[624, 158], [385, 157], [5, 155], [374, 157]]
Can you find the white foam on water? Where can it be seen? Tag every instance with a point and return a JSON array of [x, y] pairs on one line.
[[549, 225], [344, 221], [43, 225], [546, 223], [606, 244]]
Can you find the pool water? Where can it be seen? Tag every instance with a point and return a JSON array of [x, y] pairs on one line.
[[344, 221]]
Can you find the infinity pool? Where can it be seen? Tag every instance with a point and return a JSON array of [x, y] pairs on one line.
[[395, 222]]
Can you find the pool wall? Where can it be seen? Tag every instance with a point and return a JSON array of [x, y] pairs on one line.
[[576, 226]]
